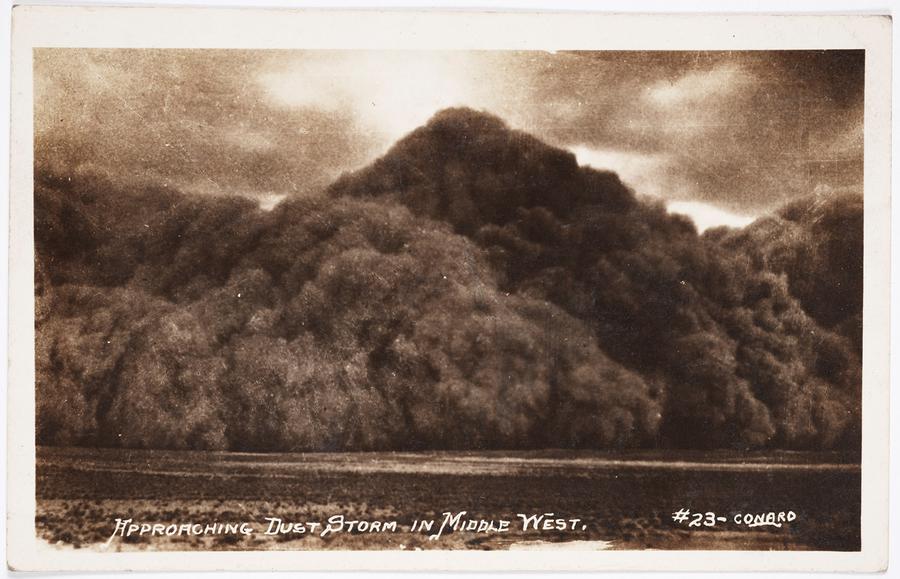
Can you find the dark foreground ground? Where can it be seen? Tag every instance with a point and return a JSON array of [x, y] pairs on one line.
[[623, 500]]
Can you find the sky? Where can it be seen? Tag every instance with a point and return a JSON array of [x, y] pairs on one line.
[[720, 136]]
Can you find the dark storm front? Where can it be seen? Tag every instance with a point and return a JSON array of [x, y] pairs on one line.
[[474, 288], [621, 501]]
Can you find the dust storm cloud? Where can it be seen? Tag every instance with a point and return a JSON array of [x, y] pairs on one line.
[[473, 287]]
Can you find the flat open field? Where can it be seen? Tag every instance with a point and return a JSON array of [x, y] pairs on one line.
[[622, 500]]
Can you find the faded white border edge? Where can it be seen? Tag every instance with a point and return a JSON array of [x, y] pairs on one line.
[[137, 27]]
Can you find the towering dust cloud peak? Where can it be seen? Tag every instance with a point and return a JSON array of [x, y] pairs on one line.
[[474, 288]]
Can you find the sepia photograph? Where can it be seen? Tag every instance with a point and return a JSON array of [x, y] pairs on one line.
[[450, 299]]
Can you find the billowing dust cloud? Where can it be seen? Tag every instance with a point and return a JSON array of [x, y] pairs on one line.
[[472, 289]]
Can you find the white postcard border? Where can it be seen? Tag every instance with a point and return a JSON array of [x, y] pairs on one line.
[[136, 27]]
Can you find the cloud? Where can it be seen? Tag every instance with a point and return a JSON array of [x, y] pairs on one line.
[[742, 131], [646, 173], [695, 87], [706, 216], [268, 201], [390, 92], [472, 288], [190, 119]]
